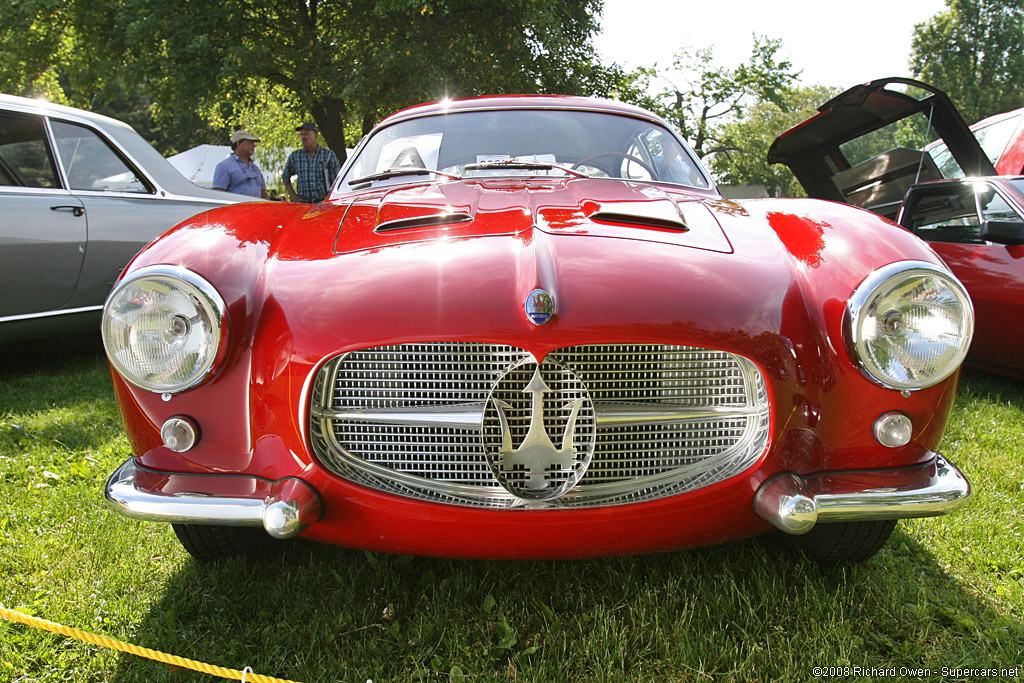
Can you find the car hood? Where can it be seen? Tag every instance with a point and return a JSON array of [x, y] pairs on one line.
[[622, 261], [476, 208], [812, 148]]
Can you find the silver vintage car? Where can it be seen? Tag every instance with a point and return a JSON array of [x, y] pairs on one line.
[[80, 194]]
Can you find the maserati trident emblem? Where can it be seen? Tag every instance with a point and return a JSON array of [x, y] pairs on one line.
[[536, 468], [539, 307]]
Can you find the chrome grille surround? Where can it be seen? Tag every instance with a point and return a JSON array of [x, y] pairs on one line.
[[415, 420]]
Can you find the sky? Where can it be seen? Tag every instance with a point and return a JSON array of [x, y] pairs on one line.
[[831, 43]]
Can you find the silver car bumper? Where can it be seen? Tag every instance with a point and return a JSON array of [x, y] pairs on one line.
[[284, 507], [795, 504]]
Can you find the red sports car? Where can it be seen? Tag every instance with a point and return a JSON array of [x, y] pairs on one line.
[[855, 150], [530, 327]]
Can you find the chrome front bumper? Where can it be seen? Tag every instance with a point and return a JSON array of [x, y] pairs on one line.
[[284, 507], [790, 502], [795, 504]]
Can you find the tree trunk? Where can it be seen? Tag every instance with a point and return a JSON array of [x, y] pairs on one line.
[[329, 114]]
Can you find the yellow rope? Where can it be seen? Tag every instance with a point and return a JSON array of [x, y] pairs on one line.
[[112, 644]]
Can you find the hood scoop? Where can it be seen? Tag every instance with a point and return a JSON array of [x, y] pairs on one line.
[[425, 220], [656, 213]]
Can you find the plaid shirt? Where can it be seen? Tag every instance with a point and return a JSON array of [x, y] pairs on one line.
[[315, 173]]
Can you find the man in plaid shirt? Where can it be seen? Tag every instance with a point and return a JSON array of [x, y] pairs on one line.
[[315, 168]]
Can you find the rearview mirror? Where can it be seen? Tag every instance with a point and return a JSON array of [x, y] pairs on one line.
[[1003, 232]]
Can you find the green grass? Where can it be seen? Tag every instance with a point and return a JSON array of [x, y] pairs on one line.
[[944, 592]]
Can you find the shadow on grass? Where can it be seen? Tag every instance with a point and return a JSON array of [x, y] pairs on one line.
[[49, 355], [998, 388], [745, 611], [57, 391]]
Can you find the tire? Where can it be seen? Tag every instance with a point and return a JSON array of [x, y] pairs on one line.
[[207, 543], [841, 542]]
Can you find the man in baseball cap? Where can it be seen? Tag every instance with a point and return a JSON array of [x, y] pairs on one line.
[[238, 173], [314, 168]]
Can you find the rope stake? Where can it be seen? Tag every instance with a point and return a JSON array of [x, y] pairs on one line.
[[246, 676]]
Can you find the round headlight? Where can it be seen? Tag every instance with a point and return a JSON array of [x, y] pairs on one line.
[[162, 328], [910, 324]]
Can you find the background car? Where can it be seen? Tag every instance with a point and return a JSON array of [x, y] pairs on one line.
[[530, 327], [80, 194], [949, 194]]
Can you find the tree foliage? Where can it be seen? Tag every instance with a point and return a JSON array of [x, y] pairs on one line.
[[974, 51], [748, 138], [340, 63], [712, 96]]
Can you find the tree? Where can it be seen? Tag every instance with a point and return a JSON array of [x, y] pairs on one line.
[[974, 51], [339, 63], [747, 139], [713, 96], [355, 61]]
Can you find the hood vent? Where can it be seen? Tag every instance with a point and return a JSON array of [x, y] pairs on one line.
[[658, 213], [429, 221]]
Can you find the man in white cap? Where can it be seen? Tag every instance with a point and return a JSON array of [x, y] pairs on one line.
[[238, 173], [314, 167]]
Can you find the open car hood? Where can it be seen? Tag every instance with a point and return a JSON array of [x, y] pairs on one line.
[[813, 149]]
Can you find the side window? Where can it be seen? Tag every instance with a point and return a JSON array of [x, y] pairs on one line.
[[91, 164], [667, 159], [25, 159], [946, 215], [995, 136], [995, 208]]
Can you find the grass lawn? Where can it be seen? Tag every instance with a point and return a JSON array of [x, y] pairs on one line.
[[944, 592]]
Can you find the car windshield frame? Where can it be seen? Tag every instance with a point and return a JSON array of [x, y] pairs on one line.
[[506, 142]]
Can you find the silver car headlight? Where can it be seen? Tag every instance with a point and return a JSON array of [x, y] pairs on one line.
[[162, 328], [910, 324]]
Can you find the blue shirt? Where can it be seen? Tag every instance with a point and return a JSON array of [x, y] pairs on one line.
[[315, 173], [234, 175]]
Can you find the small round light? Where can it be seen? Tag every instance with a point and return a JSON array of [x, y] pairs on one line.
[[162, 328], [893, 430], [909, 325], [179, 434]]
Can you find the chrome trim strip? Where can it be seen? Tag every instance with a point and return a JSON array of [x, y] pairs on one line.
[[470, 415], [622, 416], [283, 514], [50, 314], [465, 415], [794, 504]]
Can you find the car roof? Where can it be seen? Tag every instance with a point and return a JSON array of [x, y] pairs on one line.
[[143, 154], [491, 102]]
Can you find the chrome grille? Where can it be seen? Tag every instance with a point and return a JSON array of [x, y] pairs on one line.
[[410, 419]]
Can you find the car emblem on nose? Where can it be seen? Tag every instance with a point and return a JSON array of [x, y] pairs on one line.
[[539, 307], [535, 468]]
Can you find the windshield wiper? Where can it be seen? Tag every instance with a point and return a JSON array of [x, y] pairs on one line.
[[524, 165], [398, 172]]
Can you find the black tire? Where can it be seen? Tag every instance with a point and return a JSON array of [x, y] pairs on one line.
[[841, 542], [207, 543]]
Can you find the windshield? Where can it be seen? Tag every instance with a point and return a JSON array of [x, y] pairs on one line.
[[522, 142]]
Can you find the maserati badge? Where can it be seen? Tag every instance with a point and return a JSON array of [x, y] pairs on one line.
[[539, 307]]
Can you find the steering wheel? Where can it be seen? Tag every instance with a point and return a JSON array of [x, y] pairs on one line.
[[619, 155]]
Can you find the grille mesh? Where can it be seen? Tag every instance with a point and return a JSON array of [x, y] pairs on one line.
[[409, 419]]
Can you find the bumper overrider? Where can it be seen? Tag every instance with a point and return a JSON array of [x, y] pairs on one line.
[[283, 508], [792, 503]]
